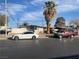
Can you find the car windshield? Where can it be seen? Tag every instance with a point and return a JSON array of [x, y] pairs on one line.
[[39, 29]]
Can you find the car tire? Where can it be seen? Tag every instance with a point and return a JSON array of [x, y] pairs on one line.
[[72, 36], [16, 38], [60, 37], [34, 37]]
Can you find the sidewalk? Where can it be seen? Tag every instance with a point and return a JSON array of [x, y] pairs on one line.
[[77, 36], [42, 36], [3, 37]]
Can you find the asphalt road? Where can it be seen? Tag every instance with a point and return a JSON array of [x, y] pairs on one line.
[[39, 48]]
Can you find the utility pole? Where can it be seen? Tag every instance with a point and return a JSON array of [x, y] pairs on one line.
[[6, 17]]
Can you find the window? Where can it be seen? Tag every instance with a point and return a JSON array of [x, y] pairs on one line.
[[28, 33], [2, 32]]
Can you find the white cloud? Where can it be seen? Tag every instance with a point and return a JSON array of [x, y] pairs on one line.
[[78, 1], [2, 12], [67, 5], [63, 5], [2, 8], [66, 8], [34, 17], [31, 15], [37, 2], [14, 8]]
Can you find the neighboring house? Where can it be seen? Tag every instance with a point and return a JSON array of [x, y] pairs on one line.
[[39, 30], [18, 30], [2, 30], [2, 33], [36, 29], [2, 27]]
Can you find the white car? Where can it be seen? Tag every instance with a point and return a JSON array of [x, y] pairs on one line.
[[25, 35]]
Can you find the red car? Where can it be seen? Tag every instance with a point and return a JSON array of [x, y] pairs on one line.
[[65, 34]]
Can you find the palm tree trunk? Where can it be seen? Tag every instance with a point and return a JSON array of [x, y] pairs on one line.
[[48, 28]]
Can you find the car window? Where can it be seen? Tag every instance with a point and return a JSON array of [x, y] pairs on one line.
[[28, 33]]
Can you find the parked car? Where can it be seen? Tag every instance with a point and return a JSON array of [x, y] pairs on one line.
[[75, 33], [25, 35], [65, 34]]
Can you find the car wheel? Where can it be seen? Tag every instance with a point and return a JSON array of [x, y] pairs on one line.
[[16, 38], [34, 37], [72, 36], [60, 37]]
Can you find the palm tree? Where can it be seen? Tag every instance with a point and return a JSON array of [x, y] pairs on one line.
[[49, 13]]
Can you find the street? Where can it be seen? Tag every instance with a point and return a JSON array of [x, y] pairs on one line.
[[43, 48]]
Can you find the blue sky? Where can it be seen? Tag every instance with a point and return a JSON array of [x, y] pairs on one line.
[[31, 11]]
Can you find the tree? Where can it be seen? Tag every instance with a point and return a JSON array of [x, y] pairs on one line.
[[75, 22], [25, 24], [2, 20], [49, 13], [60, 22]]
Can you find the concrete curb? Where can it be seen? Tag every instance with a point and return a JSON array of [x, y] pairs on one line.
[[42, 37], [3, 39], [76, 36]]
